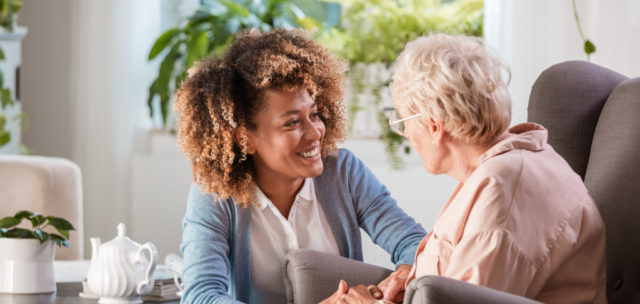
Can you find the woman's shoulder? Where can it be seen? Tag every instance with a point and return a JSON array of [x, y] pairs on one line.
[[202, 203], [342, 162]]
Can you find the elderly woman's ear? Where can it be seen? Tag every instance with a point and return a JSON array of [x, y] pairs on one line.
[[436, 128]]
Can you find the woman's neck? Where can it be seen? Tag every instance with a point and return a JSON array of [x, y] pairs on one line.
[[281, 192], [465, 157]]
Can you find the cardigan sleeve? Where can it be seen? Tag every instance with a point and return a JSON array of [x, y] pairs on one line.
[[379, 214], [206, 247]]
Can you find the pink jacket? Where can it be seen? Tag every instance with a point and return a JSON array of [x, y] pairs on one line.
[[523, 223]]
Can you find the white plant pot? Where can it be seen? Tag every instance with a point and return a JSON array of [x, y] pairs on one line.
[[26, 266]]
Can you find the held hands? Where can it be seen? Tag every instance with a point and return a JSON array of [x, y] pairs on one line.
[[393, 286], [390, 289], [354, 295]]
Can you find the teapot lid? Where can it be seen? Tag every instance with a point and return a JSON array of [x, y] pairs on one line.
[[121, 240]]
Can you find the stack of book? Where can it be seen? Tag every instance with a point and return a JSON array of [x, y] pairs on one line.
[[163, 290]]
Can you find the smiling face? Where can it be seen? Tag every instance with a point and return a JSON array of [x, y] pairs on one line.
[[288, 137]]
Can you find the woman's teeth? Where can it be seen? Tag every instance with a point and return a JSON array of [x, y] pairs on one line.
[[311, 153]]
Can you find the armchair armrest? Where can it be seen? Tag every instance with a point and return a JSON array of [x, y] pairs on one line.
[[311, 276], [436, 289]]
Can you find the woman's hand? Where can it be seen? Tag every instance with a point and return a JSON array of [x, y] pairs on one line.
[[393, 286], [333, 299]]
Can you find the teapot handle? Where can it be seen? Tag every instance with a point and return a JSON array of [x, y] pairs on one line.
[[145, 285]]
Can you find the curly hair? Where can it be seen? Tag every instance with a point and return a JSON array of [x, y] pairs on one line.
[[455, 79], [216, 103]]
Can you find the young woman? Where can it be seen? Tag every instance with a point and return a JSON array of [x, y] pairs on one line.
[[260, 126]]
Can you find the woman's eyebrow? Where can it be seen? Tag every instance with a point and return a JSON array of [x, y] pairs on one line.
[[296, 111]]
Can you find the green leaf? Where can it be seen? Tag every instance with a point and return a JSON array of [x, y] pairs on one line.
[[24, 214], [5, 137], [37, 220], [162, 42], [309, 23], [197, 47], [64, 233], [9, 222], [6, 98], [59, 240], [60, 223], [162, 82], [19, 233], [236, 9], [589, 47], [199, 17], [1, 54]]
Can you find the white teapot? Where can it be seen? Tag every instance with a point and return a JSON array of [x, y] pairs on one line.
[[120, 272]]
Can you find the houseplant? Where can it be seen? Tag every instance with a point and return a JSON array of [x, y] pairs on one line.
[[208, 32], [372, 34], [26, 258]]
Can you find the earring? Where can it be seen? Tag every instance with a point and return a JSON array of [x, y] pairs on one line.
[[433, 142]]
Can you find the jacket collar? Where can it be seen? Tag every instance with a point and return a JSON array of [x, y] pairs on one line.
[[525, 136]]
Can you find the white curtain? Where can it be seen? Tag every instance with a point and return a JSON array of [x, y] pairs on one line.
[[109, 80]]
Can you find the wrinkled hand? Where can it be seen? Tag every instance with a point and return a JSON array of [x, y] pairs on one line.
[[357, 295], [333, 299], [393, 286]]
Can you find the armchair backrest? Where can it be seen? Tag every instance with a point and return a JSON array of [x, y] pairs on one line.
[[593, 118]]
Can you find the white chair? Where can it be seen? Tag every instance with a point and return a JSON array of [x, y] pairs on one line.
[[46, 185]]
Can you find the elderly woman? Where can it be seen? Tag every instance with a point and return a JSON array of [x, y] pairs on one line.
[[520, 220], [260, 126]]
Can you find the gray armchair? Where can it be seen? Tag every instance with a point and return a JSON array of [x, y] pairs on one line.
[[593, 118]]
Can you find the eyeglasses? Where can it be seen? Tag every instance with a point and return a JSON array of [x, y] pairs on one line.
[[398, 124]]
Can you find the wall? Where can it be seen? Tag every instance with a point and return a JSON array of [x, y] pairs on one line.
[[533, 35]]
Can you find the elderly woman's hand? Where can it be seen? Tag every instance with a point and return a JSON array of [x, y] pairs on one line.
[[333, 299], [393, 286], [358, 295]]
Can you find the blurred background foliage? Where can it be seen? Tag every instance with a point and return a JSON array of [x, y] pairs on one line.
[[8, 12], [369, 34]]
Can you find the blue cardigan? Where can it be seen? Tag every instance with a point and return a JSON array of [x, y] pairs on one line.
[[216, 235]]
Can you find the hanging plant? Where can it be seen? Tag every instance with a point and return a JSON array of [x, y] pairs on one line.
[[588, 46]]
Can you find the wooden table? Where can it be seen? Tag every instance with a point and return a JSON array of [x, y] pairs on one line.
[[67, 294]]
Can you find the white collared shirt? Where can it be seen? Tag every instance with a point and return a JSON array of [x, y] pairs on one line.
[[273, 236]]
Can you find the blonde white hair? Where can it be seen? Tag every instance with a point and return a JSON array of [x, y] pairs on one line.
[[456, 80]]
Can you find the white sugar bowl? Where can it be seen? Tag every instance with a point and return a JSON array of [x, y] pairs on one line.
[[120, 271]]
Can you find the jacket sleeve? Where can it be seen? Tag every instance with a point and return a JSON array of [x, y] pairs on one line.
[[380, 216], [206, 246]]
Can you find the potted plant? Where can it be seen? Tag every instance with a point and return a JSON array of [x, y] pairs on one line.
[[26, 258], [372, 34]]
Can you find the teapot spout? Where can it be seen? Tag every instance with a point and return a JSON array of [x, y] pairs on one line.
[[95, 246]]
